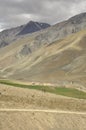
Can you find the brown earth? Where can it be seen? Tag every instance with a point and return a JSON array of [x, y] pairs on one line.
[[12, 98], [41, 121]]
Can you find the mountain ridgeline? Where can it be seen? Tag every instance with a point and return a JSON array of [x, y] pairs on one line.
[[53, 33], [39, 52], [7, 36]]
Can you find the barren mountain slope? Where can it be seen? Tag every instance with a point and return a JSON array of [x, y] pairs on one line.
[[56, 55], [62, 62]]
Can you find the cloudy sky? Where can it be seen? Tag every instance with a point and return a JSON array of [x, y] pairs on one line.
[[18, 12]]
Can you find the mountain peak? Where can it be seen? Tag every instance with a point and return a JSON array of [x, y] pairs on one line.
[[32, 27], [31, 22]]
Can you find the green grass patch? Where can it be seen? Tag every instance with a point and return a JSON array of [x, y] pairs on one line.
[[69, 92]]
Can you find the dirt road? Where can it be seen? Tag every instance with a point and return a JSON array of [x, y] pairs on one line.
[[44, 111]]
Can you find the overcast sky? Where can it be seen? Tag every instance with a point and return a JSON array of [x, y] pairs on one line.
[[18, 12]]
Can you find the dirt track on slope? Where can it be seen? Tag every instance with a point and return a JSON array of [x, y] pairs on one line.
[[44, 111]]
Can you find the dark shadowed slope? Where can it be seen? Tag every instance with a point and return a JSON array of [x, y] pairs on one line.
[[33, 27]]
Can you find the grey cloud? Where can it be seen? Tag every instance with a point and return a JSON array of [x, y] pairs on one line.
[[17, 12]]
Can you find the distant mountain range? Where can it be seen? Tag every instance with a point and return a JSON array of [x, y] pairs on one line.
[[49, 35], [38, 52]]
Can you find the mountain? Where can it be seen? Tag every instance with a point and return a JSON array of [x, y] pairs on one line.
[[63, 29], [33, 27], [48, 35], [56, 55], [10, 35]]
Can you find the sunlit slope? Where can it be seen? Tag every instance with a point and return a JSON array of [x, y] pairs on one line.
[[41, 120], [62, 62]]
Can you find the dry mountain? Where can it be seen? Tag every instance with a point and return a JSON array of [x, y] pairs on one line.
[[7, 36], [54, 55]]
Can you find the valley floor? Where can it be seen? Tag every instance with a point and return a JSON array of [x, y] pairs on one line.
[[26, 109]]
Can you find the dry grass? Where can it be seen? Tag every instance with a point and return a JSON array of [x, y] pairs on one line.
[[12, 97], [41, 121]]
